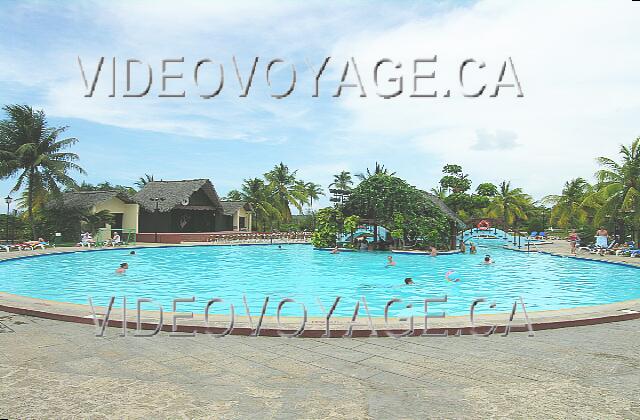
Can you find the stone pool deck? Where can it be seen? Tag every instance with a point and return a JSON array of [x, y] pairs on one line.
[[56, 369], [52, 369]]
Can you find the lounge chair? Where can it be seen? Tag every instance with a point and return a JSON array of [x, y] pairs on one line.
[[587, 248], [33, 245], [601, 250]]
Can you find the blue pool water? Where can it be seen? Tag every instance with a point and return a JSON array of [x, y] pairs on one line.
[[302, 273]]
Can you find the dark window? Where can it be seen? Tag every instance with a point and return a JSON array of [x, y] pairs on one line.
[[117, 221]]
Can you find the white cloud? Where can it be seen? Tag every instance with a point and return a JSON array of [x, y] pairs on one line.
[[577, 61], [578, 64]]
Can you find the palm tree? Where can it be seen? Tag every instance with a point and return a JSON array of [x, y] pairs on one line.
[[342, 181], [439, 192], [143, 180], [285, 189], [509, 204], [313, 191], [259, 195], [234, 195], [618, 188], [31, 150], [380, 169], [93, 221], [568, 208]]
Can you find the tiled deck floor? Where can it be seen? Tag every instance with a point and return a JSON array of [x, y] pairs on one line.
[[56, 369]]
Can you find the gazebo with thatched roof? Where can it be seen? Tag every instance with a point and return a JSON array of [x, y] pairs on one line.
[[178, 206]]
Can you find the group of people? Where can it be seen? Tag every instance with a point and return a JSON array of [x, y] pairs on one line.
[[124, 266], [86, 239], [602, 239], [472, 248]]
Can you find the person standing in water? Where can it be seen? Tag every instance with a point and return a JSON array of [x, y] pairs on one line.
[[463, 248], [122, 269], [390, 262], [472, 248], [434, 252]]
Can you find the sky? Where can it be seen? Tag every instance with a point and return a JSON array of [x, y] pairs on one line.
[[577, 64]]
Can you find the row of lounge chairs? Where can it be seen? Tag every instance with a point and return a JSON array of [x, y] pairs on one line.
[[628, 249], [256, 237], [25, 246]]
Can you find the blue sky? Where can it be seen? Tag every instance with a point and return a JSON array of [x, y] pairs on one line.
[[578, 64]]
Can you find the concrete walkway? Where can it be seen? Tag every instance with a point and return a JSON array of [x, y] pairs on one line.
[[56, 369]]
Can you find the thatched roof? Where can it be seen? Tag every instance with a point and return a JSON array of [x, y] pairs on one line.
[[445, 209], [230, 207], [88, 199], [174, 193]]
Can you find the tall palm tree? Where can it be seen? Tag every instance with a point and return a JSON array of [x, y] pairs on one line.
[[285, 190], [509, 204], [568, 208], [259, 195], [379, 169], [31, 150], [143, 180], [618, 188], [342, 181], [313, 191]]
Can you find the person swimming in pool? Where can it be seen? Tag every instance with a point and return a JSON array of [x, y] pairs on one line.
[[390, 262], [335, 250], [132, 253], [122, 269], [408, 281], [434, 252], [488, 260], [472, 248]]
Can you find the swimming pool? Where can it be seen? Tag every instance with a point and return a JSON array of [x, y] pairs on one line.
[[304, 274]]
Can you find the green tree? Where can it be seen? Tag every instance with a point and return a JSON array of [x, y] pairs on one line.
[[234, 195], [487, 189], [255, 192], [454, 180], [32, 151], [379, 170], [617, 193], [568, 209], [388, 199], [342, 181], [103, 186], [327, 228], [143, 180], [286, 190], [510, 204], [313, 191]]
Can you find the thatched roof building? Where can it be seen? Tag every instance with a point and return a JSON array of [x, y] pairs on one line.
[[189, 206], [87, 199], [445, 209], [229, 208], [121, 206], [178, 195]]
